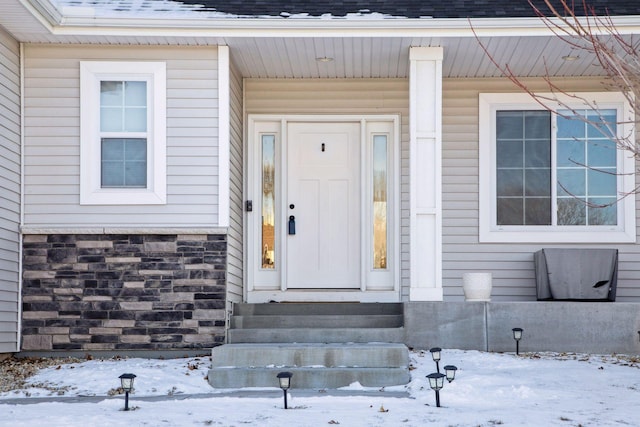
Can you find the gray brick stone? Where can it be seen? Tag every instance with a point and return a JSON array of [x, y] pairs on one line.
[[37, 342], [35, 238]]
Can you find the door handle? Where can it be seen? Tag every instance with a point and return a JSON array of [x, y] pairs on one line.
[[292, 225]]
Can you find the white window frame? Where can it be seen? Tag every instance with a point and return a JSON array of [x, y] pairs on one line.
[[489, 231], [91, 74]]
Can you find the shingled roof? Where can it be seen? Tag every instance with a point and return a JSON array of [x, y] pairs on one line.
[[404, 8]]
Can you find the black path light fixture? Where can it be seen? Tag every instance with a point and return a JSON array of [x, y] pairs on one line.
[[436, 354], [284, 379], [450, 372], [436, 382], [517, 335], [126, 382]]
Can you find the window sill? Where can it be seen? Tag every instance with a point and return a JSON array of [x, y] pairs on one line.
[[123, 197], [556, 236]]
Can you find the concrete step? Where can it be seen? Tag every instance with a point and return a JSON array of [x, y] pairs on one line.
[[316, 335], [317, 321], [313, 365], [308, 309], [308, 378], [335, 355]]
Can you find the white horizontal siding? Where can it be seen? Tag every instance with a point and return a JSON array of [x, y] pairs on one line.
[[343, 96], [9, 191], [510, 263], [52, 144], [235, 237]]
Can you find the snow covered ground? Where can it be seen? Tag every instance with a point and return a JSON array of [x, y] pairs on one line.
[[545, 389]]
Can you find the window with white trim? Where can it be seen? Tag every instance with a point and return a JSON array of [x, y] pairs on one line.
[[123, 132], [555, 176]]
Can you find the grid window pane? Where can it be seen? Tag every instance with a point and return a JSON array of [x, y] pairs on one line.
[[111, 94], [602, 182], [509, 153], [602, 124], [510, 211], [123, 106], [537, 210], [537, 182], [124, 162], [570, 126], [523, 175], [587, 166], [510, 183], [603, 211], [602, 153], [570, 153], [135, 94], [572, 211], [538, 152], [536, 125], [509, 125], [571, 182], [110, 119], [135, 120]]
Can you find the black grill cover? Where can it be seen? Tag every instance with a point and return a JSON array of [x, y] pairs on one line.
[[576, 274]]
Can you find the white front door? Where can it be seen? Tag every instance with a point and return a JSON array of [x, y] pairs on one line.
[[323, 205]]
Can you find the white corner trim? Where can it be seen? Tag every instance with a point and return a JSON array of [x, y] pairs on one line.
[[22, 201], [224, 136]]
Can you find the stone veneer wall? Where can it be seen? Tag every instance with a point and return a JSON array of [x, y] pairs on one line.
[[123, 292]]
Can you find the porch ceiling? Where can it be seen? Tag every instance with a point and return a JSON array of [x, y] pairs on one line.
[[388, 57], [290, 48]]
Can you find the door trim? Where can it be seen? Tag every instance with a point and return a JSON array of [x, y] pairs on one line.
[[262, 285]]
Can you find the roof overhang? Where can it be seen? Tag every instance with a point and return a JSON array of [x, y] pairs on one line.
[[84, 20], [287, 47]]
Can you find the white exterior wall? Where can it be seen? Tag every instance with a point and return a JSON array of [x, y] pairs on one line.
[[9, 191], [52, 139], [344, 96], [510, 263], [235, 236]]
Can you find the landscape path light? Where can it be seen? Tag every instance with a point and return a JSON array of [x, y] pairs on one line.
[[450, 372], [435, 354], [126, 382], [436, 382], [284, 379], [517, 335]]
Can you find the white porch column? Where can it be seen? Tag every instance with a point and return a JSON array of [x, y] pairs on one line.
[[425, 173]]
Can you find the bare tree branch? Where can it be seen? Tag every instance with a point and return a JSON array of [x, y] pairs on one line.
[[589, 35]]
